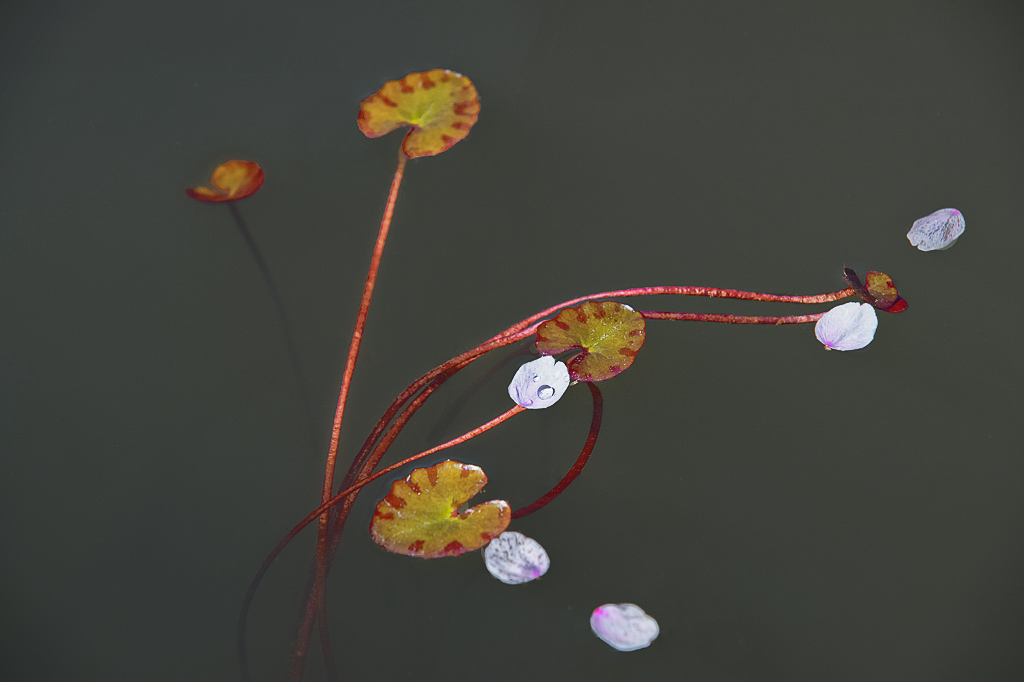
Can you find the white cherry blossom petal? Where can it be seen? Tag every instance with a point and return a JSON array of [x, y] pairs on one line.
[[539, 384], [514, 558], [849, 326], [937, 231], [624, 626]]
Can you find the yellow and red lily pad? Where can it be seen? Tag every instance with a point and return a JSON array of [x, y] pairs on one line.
[[439, 106], [879, 290], [420, 516], [609, 333], [232, 180]]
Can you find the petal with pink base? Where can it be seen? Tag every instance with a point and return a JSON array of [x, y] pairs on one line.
[[514, 558], [624, 626], [938, 231]]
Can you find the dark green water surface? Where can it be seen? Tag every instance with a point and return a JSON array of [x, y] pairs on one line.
[[786, 513]]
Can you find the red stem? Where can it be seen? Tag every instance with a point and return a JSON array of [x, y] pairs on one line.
[[588, 447], [369, 456], [528, 326], [730, 319], [298, 662]]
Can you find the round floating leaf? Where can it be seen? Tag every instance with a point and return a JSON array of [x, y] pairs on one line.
[[609, 333], [439, 105], [514, 558], [231, 180], [880, 291], [624, 626], [849, 326], [420, 517], [937, 231], [539, 383]]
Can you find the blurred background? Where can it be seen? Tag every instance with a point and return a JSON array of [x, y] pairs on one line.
[[784, 512]]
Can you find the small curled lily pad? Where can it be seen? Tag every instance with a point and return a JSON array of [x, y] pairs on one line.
[[539, 383], [609, 333], [514, 558], [232, 180], [420, 516], [439, 106], [849, 326], [938, 231], [879, 291], [624, 626]]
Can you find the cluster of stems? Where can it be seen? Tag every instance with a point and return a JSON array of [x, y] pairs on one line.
[[336, 505]]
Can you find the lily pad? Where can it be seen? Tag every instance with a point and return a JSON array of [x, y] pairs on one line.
[[609, 333], [232, 180], [420, 516], [439, 106], [880, 291]]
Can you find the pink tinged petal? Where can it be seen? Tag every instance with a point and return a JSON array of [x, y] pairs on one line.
[[539, 384], [937, 231], [849, 326], [514, 558], [624, 626]]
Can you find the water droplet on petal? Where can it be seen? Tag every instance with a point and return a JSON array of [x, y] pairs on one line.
[[624, 626], [937, 231], [514, 558], [539, 383]]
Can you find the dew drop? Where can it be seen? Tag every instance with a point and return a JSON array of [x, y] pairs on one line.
[[545, 392]]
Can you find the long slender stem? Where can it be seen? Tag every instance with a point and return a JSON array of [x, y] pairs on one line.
[[298, 662], [581, 461], [357, 333], [527, 327]]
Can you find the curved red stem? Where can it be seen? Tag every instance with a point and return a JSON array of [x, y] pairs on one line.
[[581, 461], [382, 436]]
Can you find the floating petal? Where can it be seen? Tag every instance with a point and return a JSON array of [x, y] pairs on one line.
[[937, 231], [849, 326], [539, 383], [439, 105], [624, 626], [232, 180], [420, 518], [609, 333], [514, 558]]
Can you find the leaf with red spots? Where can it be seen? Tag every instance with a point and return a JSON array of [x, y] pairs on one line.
[[232, 180], [880, 291], [439, 105], [609, 333], [420, 516]]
